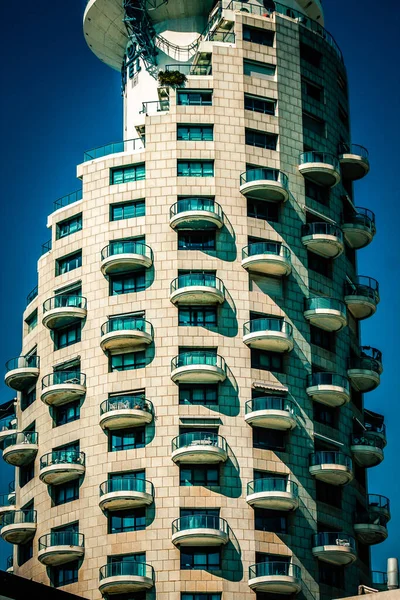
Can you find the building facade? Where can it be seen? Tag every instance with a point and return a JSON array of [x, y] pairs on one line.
[[190, 419]]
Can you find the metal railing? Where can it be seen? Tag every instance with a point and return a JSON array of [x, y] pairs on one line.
[[370, 359], [270, 403], [268, 324], [376, 501], [366, 517], [356, 149], [154, 106], [333, 379], [32, 295], [199, 522], [127, 484], [264, 173], [320, 302], [127, 324], [375, 428], [363, 217], [23, 362], [197, 357], [126, 247], [322, 229], [202, 70], [319, 157], [8, 423], [333, 538], [64, 301], [191, 204], [114, 148], [18, 517], [197, 279], [63, 377], [227, 37], [363, 286], [60, 457], [126, 403], [61, 538], [272, 484], [276, 568], [46, 247], [5, 500], [127, 568], [367, 439], [199, 438], [275, 248], [68, 199], [330, 457]]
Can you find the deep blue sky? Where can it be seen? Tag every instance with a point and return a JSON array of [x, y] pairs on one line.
[[59, 100]]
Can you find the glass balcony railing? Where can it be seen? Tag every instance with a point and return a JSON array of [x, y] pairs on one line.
[[379, 428], [322, 229], [60, 457], [46, 247], [114, 148], [333, 379], [261, 174], [227, 37], [196, 204], [154, 106], [23, 362], [68, 199], [61, 538], [367, 439], [365, 517], [276, 568], [322, 303], [197, 279], [259, 248], [32, 295], [127, 324], [16, 439], [64, 301], [197, 357], [127, 484], [64, 377], [363, 286], [127, 568], [333, 538], [379, 578], [330, 457], [271, 403], [128, 247], [320, 157], [5, 500], [375, 501], [199, 438], [362, 217], [199, 522], [356, 149], [370, 359], [126, 403], [268, 324], [202, 70], [272, 484], [8, 423], [18, 517]]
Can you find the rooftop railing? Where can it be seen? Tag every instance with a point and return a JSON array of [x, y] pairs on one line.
[[114, 148], [68, 199], [32, 295]]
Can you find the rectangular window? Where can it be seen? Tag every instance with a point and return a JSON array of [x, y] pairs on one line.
[[66, 413], [323, 339], [258, 104], [312, 90], [67, 336], [24, 552], [26, 474], [325, 415], [28, 398], [254, 68], [312, 124], [269, 439], [68, 263], [196, 240], [260, 139], [206, 559], [32, 321], [310, 55], [195, 168], [127, 283], [68, 226], [127, 210], [266, 361], [126, 439], [259, 209], [65, 492], [64, 574], [331, 575], [198, 394], [329, 494], [270, 520], [195, 133], [128, 174], [320, 265], [255, 35], [201, 316], [194, 98], [127, 520], [317, 192], [203, 475], [127, 362]]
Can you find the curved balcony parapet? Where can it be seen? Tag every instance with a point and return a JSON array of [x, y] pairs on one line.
[[273, 493], [18, 526], [321, 167], [62, 310], [126, 255], [199, 446], [60, 547], [125, 577], [8, 425], [354, 161], [331, 467], [367, 449], [61, 387], [271, 412], [329, 314], [362, 296], [126, 332], [20, 449], [198, 366], [334, 547], [269, 333], [324, 239], [197, 288], [200, 530], [378, 503], [359, 227], [275, 577], [196, 213], [126, 484], [22, 372], [120, 412], [60, 466], [270, 258], [265, 184]]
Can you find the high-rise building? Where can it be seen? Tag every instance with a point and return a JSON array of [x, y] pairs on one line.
[[191, 422]]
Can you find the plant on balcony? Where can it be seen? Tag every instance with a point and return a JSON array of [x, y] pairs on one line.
[[172, 78]]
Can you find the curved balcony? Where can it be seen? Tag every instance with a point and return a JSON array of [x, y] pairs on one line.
[[197, 288], [265, 184], [60, 311], [125, 256], [126, 333], [22, 372], [121, 493], [126, 577], [11, 493], [199, 447], [20, 449], [365, 371], [8, 425], [328, 388], [19, 526], [271, 412], [200, 530], [376, 428], [196, 213], [60, 466], [272, 334], [273, 493], [275, 577], [379, 505], [60, 547], [359, 228], [324, 239], [370, 527], [367, 449], [121, 412], [6, 505], [269, 258], [354, 161], [328, 314], [198, 367], [320, 167], [10, 564], [331, 467], [334, 548], [61, 387], [362, 296]]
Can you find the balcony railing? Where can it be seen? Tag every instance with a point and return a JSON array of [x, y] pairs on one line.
[[356, 149], [377, 501], [18, 517], [199, 522], [64, 301], [127, 324], [266, 248], [63, 377], [60, 457], [23, 362], [68, 199], [370, 359], [330, 457], [362, 217], [61, 538], [32, 295], [268, 324], [154, 106], [276, 568], [11, 487], [323, 303], [127, 484], [264, 174], [128, 247], [114, 148], [197, 279], [131, 568], [199, 438], [322, 229], [333, 538], [379, 578], [197, 357], [319, 157], [366, 517], [8, 423], [46, 247], [368, 439], [196, 204], [227, 37], [375, 428], [202, 70], [126, 403], [4, 500], [362, 286], [270, 403], [333, 379], [272, 484]]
